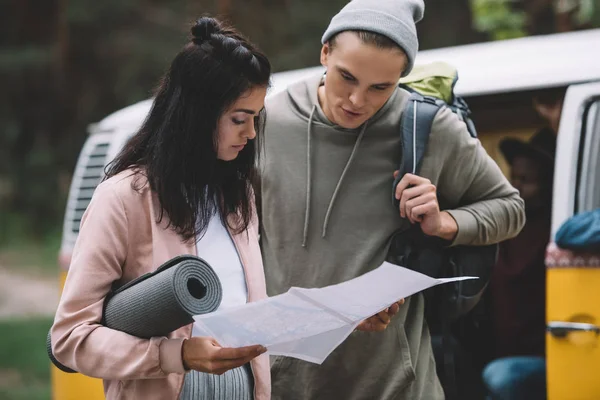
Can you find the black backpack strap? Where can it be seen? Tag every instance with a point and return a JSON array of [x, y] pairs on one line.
[[416, 122], [460, 107], [415, 127]]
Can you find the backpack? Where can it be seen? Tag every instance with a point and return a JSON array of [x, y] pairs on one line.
[[431, 88]]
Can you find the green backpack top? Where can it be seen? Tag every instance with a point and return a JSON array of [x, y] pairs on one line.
[[435, 80], [431, 87]]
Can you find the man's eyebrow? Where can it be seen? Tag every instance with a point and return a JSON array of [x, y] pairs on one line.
[[384, 84], [345, 71]]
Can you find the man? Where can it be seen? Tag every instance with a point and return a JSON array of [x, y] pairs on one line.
[[332, 143], [518, 284]]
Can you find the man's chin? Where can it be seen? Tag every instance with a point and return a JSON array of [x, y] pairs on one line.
[[349, 124]]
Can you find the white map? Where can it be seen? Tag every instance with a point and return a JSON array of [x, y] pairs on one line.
[[310, 323]]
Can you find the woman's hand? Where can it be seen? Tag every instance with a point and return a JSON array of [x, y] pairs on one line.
[[380, 321], [205, 354]]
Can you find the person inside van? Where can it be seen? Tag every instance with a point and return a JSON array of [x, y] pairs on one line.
[[518, 283], [548, 104], [181, 185]]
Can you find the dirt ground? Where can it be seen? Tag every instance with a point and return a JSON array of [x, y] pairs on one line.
[[26, 295]]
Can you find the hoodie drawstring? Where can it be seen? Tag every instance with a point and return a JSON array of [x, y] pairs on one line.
[[339, 184], [308, 177]]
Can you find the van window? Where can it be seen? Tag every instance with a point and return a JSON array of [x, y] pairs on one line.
[[588, 193]]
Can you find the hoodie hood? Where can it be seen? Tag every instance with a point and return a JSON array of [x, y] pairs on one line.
[[305, 102], [304, 99]]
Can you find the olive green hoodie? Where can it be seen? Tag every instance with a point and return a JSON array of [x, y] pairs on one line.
[[327, 216]]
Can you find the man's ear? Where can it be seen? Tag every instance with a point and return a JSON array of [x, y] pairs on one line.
[[325, 51]]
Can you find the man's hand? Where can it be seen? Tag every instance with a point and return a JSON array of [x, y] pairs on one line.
[[205, 354], [380, 321], [419, 204]]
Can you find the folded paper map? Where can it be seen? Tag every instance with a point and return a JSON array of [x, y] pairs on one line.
[[310, 323]]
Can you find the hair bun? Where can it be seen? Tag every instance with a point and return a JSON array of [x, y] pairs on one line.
[[204, 28]]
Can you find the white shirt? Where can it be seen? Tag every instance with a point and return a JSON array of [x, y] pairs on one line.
[[217, 249]]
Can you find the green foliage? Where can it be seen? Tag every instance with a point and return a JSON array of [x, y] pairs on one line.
[[61, 71], [24, 253], [498, 18], [65, 64], [13, 59], [24, 364], [27, 392]]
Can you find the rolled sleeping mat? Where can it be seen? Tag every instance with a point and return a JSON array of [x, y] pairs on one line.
[[157, 303], [56, 363]]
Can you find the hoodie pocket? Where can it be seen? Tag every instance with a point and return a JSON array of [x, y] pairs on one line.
[[406, 359]]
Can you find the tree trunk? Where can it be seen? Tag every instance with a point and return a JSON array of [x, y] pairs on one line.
[[224, 8]]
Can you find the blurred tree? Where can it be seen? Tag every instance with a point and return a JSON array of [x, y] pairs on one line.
[[224, 7], [30, 75], [498, 19], [505, 19], [289, 31], [576, 14], [447, 23], [64, 64], [540, 16]]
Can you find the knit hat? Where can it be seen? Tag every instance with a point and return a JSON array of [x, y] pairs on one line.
[[395, 19]]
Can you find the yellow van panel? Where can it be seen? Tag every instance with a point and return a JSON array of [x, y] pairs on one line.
[[573, 362], [74, 386], [491, 143]]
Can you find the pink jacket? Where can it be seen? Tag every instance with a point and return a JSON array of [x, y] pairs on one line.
[[120, 240]]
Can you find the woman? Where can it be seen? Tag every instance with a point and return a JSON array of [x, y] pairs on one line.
[[181, 185]]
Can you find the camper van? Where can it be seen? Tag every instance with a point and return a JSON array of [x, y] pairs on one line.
[[498, 81]]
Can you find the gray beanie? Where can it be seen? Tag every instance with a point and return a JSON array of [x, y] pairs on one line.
[[395, 19]]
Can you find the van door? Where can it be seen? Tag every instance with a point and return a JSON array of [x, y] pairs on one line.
[[573, 279]]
